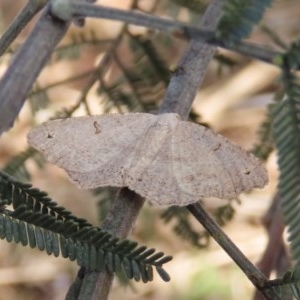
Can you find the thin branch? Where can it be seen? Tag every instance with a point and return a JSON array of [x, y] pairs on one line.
[[119, 222], [66, 9], [274, 224], [62, 82], [100, 69], [255, 275], [275, 250], [22, 19], [191, 70], [18, 79], [12, 98]]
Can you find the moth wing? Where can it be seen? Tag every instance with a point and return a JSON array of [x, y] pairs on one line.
[[157, 183], [92, 149], [207, 164]]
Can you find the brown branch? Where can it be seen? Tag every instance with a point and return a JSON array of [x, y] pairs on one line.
[[274, 224], [275, 251], [65, 9], [258, 279], [120, 221], [191, 70]]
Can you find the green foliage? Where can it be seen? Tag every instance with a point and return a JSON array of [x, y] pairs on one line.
[[265, 145], [208, 284], [183, 226], [16, 166], [39, 222], [196, 6], [289, 61], [239, 17], [155, 61], [224, 214], [286, 128], [287, 287], [73, 49], [105, 197], [140, 87]]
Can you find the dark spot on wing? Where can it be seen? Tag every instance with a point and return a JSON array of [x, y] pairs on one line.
[[97, 127], [49, 136], [247, 173], [189, 178], [217, 147]]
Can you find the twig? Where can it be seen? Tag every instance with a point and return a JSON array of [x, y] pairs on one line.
[[17, 81], [66, 9], [12, 99], [62, 82], [259, 280], [275, 250], [274, 224], [22, 19], [192, 68], [120, 220], [100, 69]]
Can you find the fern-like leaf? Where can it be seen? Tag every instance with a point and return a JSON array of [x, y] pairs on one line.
[[183, 227], [264, 147], [73, 49], [38, 98], [16, 165], [156, 61], [196, 6], [287, 287], [239, 17], [38, 221], [286, 128], [224, 214]]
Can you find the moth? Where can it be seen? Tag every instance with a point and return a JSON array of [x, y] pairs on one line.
[[162, 158]]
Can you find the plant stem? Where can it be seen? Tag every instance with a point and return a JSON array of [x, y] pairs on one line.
[[274, 256], [255, 275], [120, 221], [192, 67], [22, 19], [183, 30], [30, 59]]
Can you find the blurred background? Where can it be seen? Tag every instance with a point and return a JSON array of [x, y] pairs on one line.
[[233, 101]]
